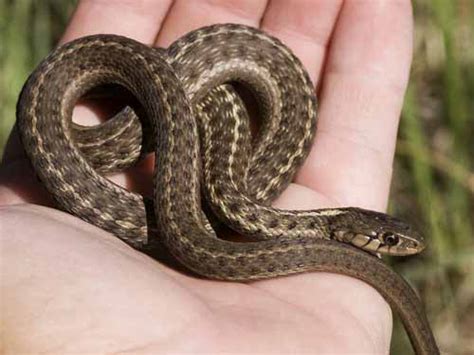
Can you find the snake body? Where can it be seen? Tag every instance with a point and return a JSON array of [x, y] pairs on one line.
[[191, 111]]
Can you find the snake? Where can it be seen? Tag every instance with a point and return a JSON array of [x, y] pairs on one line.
[[211, 167]]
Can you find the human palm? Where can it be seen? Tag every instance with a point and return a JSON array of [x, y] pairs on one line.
[[70, 287]]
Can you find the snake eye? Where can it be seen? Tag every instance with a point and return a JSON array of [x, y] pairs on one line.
[[390, 239]]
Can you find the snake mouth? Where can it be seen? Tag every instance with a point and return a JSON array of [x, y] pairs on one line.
[[375, 246], [407, 248], [397, 251]]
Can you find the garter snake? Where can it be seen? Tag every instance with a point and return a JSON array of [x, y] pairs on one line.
[[194, 120]]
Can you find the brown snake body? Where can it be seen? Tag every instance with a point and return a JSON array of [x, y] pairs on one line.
[[192, 112]]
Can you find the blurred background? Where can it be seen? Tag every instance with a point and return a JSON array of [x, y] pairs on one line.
[[433, 185]]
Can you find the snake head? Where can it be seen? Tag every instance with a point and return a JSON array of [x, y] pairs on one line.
[[376, 232]]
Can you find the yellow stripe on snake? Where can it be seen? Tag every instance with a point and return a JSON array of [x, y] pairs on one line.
[[193, 118]]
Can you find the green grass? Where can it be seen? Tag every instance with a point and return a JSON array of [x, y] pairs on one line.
[[434, 169], [435, 161], [28, 30]]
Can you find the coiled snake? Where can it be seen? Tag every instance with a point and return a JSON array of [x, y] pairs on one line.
[[191, 112]]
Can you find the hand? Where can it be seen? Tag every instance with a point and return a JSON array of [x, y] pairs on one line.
[[69, 287]]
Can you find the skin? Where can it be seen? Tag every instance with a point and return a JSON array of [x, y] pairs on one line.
[[68, 286]]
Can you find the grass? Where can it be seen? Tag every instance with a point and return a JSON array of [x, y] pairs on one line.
[[434, 169], [435, 160]]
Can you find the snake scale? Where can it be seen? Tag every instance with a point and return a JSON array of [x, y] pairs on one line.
[[193, 118]]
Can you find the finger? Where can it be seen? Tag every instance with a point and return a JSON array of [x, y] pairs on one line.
[[140, 20], [187, 15], [307, 36], [360, 102]]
